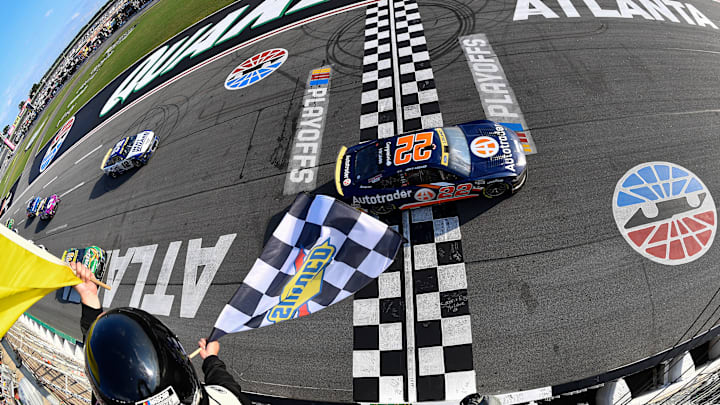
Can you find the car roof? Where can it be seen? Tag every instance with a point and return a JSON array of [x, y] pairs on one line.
[[387, 147]]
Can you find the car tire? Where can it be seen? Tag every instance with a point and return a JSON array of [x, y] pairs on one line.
[[497, 189]]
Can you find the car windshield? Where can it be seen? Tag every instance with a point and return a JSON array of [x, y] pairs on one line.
[[459, 151], [366, 162], [128, 145]]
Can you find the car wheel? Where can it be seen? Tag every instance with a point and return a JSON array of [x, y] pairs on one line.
[[497, 189], [137, 163], [383, 209]]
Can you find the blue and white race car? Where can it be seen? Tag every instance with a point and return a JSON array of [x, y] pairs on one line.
[[34, 207], [133, 151], [431, 166]]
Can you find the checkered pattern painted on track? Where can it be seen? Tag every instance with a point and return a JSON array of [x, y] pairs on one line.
[[404, 55], [412, 332]]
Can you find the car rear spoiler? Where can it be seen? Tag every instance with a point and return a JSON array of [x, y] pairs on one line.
[[338, 170], [107, 155]]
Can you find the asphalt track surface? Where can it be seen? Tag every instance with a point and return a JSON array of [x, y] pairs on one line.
[[555, 292]]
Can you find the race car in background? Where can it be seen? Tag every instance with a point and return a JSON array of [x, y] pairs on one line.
[[94, 258], [34, 206], [431, 166], [133, 151], [49, 207], [10, 223]]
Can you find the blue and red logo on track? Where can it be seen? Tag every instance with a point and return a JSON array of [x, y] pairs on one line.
[[255, 69], [665, 213], [56, 143]]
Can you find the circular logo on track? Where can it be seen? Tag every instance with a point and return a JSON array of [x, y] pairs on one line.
[[484, 147], [56, 144], [425, 194], [665, 213], [255, 69]]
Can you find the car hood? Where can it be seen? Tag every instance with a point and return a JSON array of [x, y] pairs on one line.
[[142, 144], [508, 161]]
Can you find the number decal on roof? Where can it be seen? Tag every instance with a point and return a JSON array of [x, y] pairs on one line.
[[413, 147]]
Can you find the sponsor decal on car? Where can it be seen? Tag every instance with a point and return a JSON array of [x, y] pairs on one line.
[[346, 170], [56, 143], [302, 167], [505, 147], [424, 194], [305, 284], [346, 182], [139, 143], [255, 69], [665, 213], [484, 147], [382, 198]]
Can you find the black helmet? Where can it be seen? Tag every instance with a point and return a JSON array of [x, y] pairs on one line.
[[130, 356]]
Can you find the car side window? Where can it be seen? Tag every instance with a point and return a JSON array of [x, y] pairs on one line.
[[424, 176]]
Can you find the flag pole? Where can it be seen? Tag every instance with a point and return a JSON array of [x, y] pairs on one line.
[[94, 280], [195, 353], [101, 284]]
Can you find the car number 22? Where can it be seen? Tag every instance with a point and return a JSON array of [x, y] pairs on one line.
[[413, 147], [454, 192], [126, 164]]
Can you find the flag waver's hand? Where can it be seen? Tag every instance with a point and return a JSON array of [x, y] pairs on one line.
[[208, 348], [87, 289]]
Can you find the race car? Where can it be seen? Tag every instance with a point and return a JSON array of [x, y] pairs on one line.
[[133, 151], [431, 166], [34, 206], [49, 207], [94, 258]]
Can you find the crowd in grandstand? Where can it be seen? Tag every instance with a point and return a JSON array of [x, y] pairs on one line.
[[109, 22]]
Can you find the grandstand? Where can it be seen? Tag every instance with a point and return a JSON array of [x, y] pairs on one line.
[[53, 362]]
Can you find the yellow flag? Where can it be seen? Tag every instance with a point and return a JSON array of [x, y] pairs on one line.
[[27, 273]]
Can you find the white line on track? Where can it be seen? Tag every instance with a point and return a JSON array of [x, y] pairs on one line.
[[409, 308], [88, 154], [396, 77], [21, 222], [72, 189], [54, 178], [694, 50], [56, 229]]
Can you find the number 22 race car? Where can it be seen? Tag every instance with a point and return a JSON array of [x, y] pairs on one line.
[[431, 166]]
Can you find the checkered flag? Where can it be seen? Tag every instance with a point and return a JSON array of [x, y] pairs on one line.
[[322, 252]]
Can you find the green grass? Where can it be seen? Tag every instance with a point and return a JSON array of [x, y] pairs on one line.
[[157, 25], [17, 165]]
